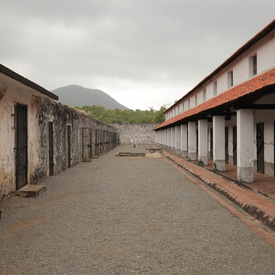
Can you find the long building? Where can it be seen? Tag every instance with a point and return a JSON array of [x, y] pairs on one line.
[[229, 116], [41, 137]]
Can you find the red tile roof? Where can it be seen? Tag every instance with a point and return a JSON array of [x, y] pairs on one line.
[[249, 87]]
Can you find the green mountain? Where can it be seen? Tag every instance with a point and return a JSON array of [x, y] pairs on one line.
[[74, 95]]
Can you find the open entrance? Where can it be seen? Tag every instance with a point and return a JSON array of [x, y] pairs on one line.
[[260, 147], [51, 163], [274, 147], [235, 145], [95, 143], [226, 146], [211, 143], [197, 142], [100, 136], [69, 145], [86, 144], [21, 145]]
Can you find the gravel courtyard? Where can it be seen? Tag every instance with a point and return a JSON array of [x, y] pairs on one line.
[[126, 215]]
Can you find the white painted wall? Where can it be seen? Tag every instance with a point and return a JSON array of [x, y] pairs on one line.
[[264, 49]]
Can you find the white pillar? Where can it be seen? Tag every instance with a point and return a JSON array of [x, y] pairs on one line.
[[184, 138], [192, 141], [245, 145], [203, 141], [161, 138], [178, 140], [165, 138], [218, 143], [172, 139], [156, 137], [168, 135]]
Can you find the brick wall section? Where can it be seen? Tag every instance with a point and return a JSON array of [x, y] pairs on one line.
[[141, 133]]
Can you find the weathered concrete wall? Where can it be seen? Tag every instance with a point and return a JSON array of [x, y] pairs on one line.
[[41, 111], [63, 116], [6, 143], [140, 133]]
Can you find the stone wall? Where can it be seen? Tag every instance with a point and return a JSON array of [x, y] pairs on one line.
[[76, 137], [140, 133]]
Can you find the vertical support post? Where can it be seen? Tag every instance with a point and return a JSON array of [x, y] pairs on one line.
[[172, 129], [178, 140], [192, 140], [184, 141], [218, 143], [245, 145], [203, 141]]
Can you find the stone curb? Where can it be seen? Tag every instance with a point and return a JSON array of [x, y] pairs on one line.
[[251, 209]]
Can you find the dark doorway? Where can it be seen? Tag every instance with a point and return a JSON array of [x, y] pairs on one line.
[[260, 147], [226, 145], [86, 144], [235, 145], [51, 163], [100, 135], [211, 144], [274, 148], [95, 153], [197, 141], [21, 145], [69, 145]]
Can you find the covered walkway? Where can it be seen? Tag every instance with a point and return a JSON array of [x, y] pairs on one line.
[[263, 184], [257, 198]]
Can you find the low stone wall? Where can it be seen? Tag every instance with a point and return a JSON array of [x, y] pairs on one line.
[[140, 133]]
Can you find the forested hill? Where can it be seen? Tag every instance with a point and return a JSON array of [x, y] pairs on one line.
[[74, 95], [124, 116]]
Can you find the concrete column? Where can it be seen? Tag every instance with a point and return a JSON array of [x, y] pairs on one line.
[[156, 137], [203, 141], [164, 138], [178, 140], [173, 139], [167, 138], [218, 143], [245, 145], [192, 141], [184, 139]]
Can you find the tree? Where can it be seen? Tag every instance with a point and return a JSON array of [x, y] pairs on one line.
[[124, 116]]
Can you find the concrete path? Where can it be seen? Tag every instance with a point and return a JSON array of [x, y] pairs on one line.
[[126, 215]]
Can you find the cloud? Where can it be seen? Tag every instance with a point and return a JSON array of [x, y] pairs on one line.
[[146, 47]]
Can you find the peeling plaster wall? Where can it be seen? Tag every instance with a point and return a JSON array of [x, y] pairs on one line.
[[45, 111], [10, 95], [41, 111], [6, 162]]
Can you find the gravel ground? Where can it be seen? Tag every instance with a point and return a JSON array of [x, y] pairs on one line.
[[126, 215]]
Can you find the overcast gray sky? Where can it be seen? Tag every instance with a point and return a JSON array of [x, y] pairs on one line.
[[143, 53]]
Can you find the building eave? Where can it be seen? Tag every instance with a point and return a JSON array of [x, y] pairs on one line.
[[257, 84], [228, 61], [8, 72]]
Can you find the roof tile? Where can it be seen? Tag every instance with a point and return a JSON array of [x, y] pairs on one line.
[[237, 92]]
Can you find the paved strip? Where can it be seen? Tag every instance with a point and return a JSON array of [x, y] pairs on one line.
[[257, 205], [266, 235]]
